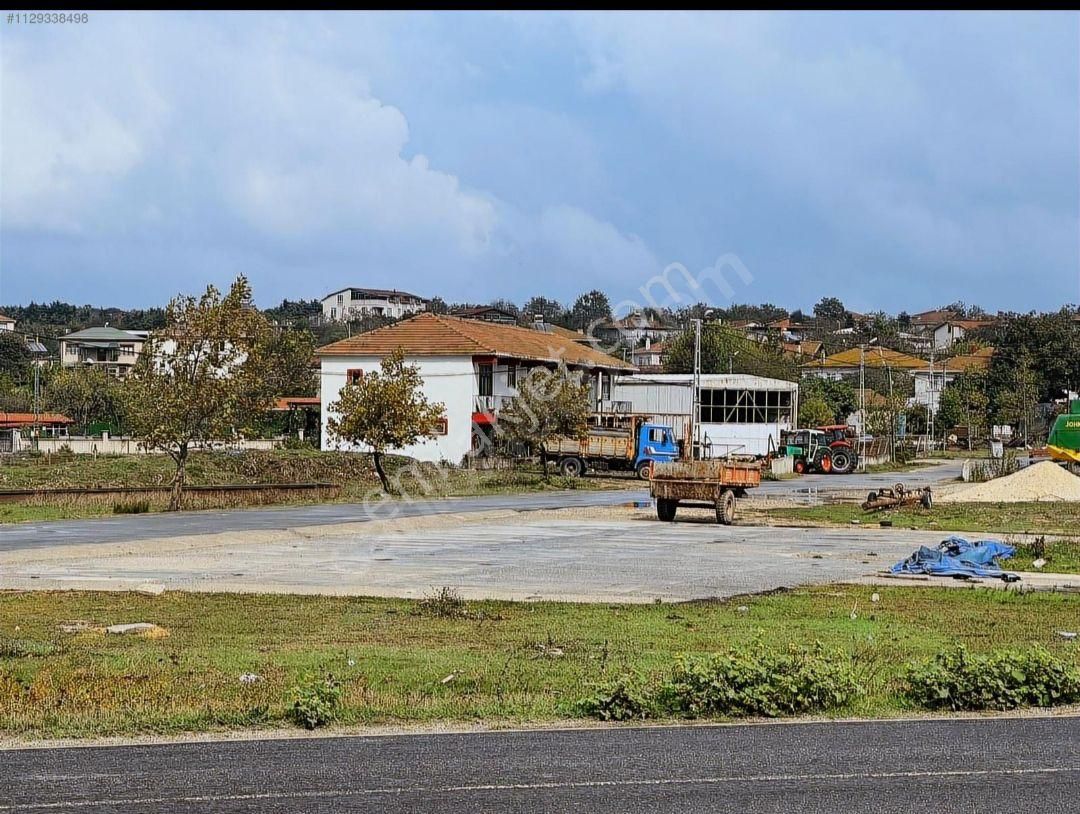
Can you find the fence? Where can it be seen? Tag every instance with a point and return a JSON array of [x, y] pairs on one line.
[[108, 445]]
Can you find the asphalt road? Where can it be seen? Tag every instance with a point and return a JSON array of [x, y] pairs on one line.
[[123, 528], [989, 765]]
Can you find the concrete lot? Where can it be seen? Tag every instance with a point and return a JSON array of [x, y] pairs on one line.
[[599, 554]]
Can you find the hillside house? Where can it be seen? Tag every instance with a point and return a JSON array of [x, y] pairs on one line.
[[470, 366], [353, 303], [109, 349]]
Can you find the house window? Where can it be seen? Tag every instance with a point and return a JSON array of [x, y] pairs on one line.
[[511, 375], [340, 299], [440, 427], [333, 313], [353, 375], [605, 387], [486, 372]]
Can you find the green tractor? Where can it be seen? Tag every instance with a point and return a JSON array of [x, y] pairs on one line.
[[1064, 441], [809, 451]]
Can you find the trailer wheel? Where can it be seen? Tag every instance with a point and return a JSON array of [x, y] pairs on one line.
[[665, 509], [571, 467], [644, 470], [870, 498], [725, 508], [927, 500]]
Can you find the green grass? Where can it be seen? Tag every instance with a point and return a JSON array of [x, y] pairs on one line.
[[353, 471], [993, 518], [504, 657]]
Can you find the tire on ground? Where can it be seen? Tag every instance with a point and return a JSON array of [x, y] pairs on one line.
[[725, 507], [571, 467], [665, 509]]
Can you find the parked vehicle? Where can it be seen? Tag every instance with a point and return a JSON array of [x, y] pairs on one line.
[[841, 441], [714, 484], [1064, 441], [636, 446], [809, 450]]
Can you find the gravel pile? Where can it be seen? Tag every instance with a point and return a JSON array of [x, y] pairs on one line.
[[1045, 481]]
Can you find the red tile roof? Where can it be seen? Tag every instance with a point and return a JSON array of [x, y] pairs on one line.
[[439, 335], [16, 420]]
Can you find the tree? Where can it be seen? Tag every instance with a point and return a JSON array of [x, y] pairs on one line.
[[549, 404], [552, 310], [590, 309], [87, 395], [815, 412], [838, 394], [830, 312], [14, 356], [292, 352], [384, 410], [437, 305], [963, 402], [726, 350], [204, 376]]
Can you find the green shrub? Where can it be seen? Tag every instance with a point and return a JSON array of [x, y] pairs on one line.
[[742, 682], [316, 702], [958, 680], [621, 701]]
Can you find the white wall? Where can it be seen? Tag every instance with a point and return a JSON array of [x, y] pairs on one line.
[[450, 380], [354, 309]]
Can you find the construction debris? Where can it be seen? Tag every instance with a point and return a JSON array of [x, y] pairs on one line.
[[1046, 481]]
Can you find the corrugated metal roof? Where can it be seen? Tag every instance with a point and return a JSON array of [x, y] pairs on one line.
[[439, 335], [9, 420], [714, 381], [103, 334]]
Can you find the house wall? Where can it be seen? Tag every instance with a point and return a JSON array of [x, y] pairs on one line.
[[450, 380], [127, 354], [945, 335], [346, 308]]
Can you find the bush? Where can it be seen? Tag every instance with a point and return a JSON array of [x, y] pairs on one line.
[[741, 682], [957, 680], [621, 701], [132, 507], [445, 603], [316, 702]]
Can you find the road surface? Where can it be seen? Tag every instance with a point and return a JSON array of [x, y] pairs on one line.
[[922, 767], [122, 528]]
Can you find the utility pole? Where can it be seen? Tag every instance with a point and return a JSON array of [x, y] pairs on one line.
[[695, 398], [862, 404]]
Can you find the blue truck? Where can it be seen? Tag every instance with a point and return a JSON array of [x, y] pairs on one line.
[[633, 446]]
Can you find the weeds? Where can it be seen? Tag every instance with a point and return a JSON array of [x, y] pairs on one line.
[[443, 603], [316, 702]]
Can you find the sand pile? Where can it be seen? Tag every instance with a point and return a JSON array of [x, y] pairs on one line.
[[1044, 481]]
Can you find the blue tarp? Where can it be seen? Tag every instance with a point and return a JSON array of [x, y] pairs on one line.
[[956, 557]]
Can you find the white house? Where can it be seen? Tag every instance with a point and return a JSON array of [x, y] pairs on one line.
[[470, 366], [739, 414], [6, 323], [109, 349], [353, 303], [953, 330], [929, 385]]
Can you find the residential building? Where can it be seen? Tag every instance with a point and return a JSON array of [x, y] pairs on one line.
[[929, 383], [470, 366], [849, 362], [926, 321], [486, 313], [109, 349], [635, 328], [353, 303], [6, 323], [651, 356], [16, 427], [951, 331]]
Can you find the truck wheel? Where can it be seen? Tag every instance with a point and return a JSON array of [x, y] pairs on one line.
[[665, 509], [571, 467], [841, 461], [644, 470], [725, 508]]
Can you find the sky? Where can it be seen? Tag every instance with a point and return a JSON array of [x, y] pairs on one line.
[[899, 161]]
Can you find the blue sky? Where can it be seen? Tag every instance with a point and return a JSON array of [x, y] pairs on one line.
[[899, 161]]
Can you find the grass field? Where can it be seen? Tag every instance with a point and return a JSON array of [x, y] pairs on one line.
[[500, 662], [354, 472]]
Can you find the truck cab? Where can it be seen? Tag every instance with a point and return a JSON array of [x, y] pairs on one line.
[[656, 444]]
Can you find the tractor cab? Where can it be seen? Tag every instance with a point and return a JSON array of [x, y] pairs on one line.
[[809, 450]]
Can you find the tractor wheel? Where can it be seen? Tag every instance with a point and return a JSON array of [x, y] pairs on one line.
[[823, 462], [665, 509], [571, 467], [799, 466], [842, 461], [725, 508], [644, 470]]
